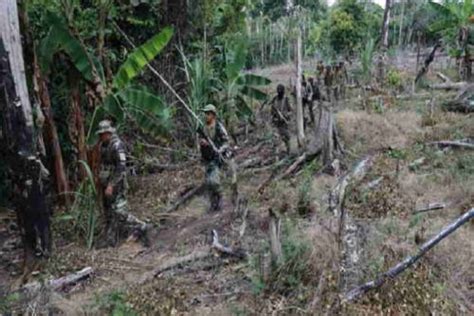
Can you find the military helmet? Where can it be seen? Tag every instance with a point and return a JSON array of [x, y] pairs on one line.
[[105, 126], [210, 108]]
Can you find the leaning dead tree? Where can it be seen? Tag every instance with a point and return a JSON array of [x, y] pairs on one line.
[[357, 292], [427, 63], [325, 143], [27, 175]]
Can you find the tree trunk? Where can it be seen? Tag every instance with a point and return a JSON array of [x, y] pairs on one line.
[[402, 15], [10, 33], [51, 132], [299, 100], [27, 172], [427, 63], [384, 43], [385, 24], [76, 125]]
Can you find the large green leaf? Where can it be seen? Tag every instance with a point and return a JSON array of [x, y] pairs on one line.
[[141, 56], [146, 109], [235, 60], [253, 93], [243, 108], [253, 80], [60, 38], [113, 107], [141, 97]]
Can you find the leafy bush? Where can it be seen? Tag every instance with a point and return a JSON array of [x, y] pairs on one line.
[[394, 79]]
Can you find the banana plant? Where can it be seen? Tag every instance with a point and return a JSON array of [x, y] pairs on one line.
[[237, 89], [120, 99], [455, 23]]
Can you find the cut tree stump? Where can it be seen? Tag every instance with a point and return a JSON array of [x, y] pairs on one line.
[[396, 270], [274, 234]]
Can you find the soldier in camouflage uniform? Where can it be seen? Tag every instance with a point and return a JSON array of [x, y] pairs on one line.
[[328, 83], [280, 110], [213, 156], [320, 73], [307, 95], [113, 183]]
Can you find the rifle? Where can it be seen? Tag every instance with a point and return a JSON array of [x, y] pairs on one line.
[[185, 105]]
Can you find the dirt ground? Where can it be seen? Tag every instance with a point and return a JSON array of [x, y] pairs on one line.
[[125, 280]]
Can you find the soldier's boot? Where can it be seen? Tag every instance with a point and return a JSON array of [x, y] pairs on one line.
[[216, 202], [311, 114], [112, 235], [287, 147]]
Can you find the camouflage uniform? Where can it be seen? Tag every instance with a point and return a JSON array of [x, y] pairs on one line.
[[280, 110], [307, 95], [328, 83], [113, 172], [213, 163]]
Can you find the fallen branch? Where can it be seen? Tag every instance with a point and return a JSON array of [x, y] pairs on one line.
[[58, 284], [336, 197], [296, 165], [430, 207], [185, 198], [408, 261], [249, 163], [449, 143], [176, 262], [449, 85], [443, 77], [238, 253]]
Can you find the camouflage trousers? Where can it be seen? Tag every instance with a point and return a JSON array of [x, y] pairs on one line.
[[118, 218], [214, 185], [284, 134]]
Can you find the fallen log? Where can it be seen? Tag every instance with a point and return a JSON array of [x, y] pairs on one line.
[[176, 262], [455, 143], [443, 77], [58, 284], [185, 198], [449, 85], [249, 163], [337, 195], [295, 166], [238, 253], [430, 207], [462, 106], [356, 293]]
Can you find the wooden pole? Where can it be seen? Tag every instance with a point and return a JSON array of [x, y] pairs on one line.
[[299, 101]]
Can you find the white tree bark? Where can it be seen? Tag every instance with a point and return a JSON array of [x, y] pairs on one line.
[[402, 16], [10, 33], [386, 23], [299, 101]]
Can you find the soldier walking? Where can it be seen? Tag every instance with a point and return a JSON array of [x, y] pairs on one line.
[[328, 83], [213, 155], [281, 110], [113, 183]]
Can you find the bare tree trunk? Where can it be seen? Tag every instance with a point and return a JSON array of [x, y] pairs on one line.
[[402, 16], [10, 33], [385, 24], [51, 133], [27, 172], [299, 100], [384, 43], [427, 63]]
